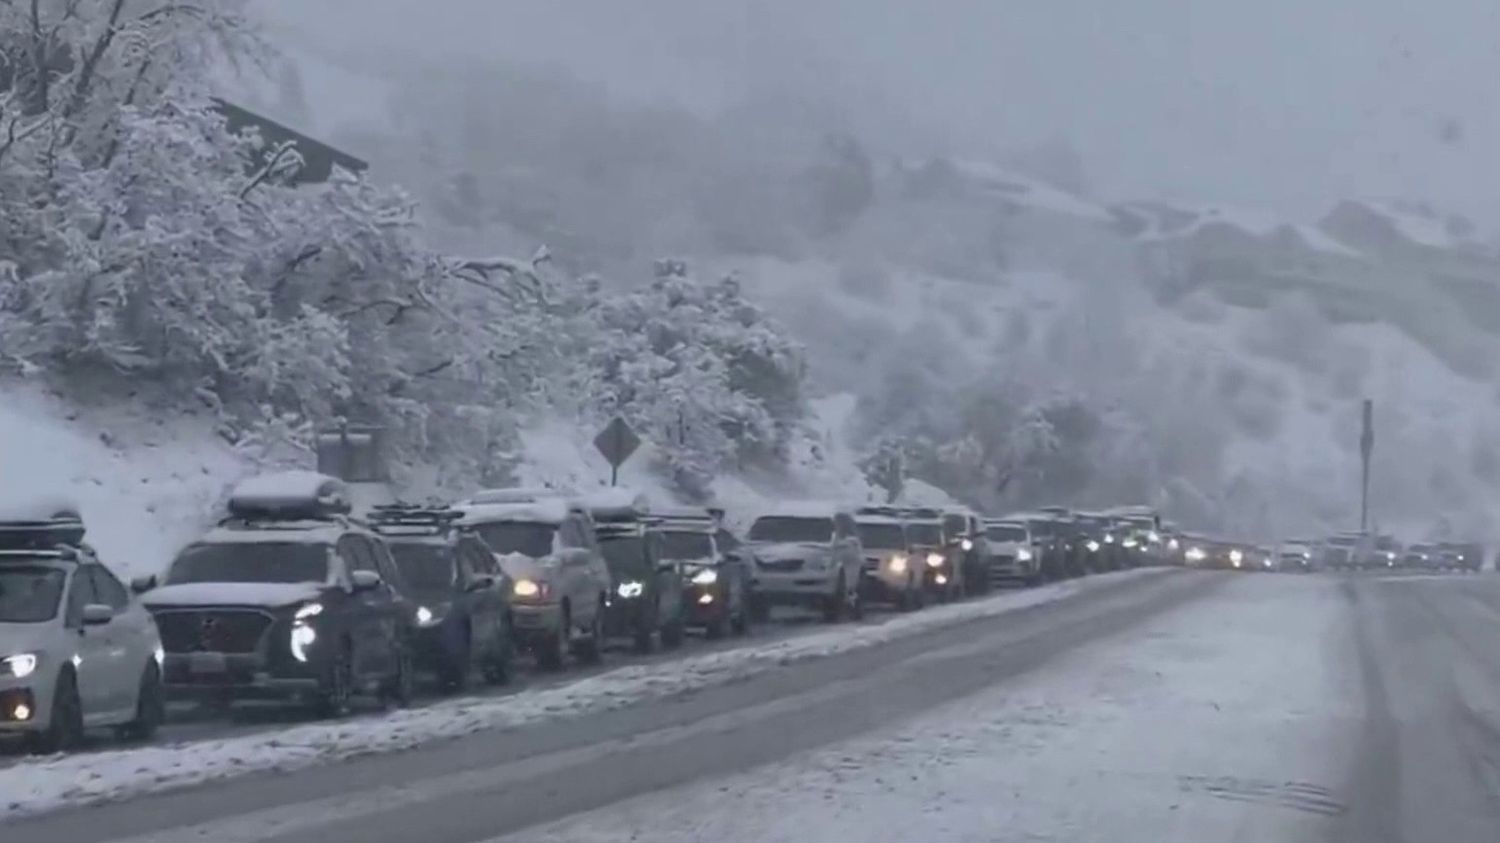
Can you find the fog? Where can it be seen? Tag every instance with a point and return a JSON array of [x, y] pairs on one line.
[[1287, 104]]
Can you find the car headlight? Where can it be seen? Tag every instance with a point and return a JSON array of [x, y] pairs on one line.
[[707, 576], [1268, 562], [427, 617], [303, 637], [1153, 537], [935, 560], [631, 588], [1195, 554], [529, 588], [1128, 543], [898, 564], [160, 654], [311, 610], [967, 544], [21, 665], [1389, 556], [1023, 555], [1109, 538], [1236, 556], [1093, 546], [1173, 544]]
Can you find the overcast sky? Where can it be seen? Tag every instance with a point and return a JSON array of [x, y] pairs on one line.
[[1287, 104]]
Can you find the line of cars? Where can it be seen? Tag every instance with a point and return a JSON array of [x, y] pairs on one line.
[[1348, 551], [292, 598]]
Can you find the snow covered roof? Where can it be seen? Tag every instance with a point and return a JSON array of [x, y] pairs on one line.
[[867, 518], [279, 532], [802, 509], [616, 503], [305, 493], [39, 508], [548, 511], [515, 495]]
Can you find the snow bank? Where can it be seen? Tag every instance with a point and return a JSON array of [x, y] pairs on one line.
[[144, 486], [41, 785]]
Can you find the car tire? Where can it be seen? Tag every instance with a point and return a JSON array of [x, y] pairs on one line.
[[337, 685], [150, 707], [591, 649], [65, 729]]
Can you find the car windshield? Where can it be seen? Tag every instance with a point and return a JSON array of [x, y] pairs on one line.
[[928, 535], [1006, 532], [782, 528], [623, 552], [30, 593], [268, 562], [686, 544], [882, 536], [424, 566], [525, 538]]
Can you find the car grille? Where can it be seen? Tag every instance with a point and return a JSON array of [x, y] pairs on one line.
[[212, 631], [781, 564]]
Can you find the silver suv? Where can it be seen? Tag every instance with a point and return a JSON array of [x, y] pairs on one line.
[[807, 555], [77, 650]]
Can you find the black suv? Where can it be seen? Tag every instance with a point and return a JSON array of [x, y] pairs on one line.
[[287, 598], [715, 569], [645, 597], [463, 614]]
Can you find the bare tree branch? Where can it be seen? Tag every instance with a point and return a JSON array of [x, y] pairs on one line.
[[283, 149], [85, 78]]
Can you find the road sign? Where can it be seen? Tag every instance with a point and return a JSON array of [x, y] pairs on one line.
[[616, 442]]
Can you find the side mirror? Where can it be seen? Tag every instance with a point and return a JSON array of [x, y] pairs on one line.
[[141, 585], [365, 581], [97, 614], [482, 583]]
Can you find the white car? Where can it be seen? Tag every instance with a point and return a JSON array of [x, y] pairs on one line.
[[77, 649]]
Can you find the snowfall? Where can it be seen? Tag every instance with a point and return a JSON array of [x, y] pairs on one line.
[[1221, 720]]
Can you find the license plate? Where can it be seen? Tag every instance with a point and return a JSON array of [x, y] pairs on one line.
[[206, 663]]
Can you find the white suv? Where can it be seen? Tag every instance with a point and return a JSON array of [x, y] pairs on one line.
[[77, 650]]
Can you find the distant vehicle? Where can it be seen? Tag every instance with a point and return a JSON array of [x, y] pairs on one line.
[[60, 609], [808, 555], [288, 598], [1260, 558], [716, 570], [1423, 556], [645, 602], [1015, 555], [966, 544], [1296, 555], [1342, 551], [1051, 537], [545, 544], [1140, 534], [1101, 543], [892, 573], [463, 615], [941, 574], [1384, 552], [1462, 556]]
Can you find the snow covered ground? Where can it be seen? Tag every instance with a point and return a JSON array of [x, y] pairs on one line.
[[34, 786], [1227, 719]]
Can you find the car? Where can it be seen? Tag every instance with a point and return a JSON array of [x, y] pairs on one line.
[[645, 598], [1296, 555], [1462, 556], [1341, 551], [1140, 533], [1260, 558], [1015, 554], [808, 555], [930, 545], [1423, 556], [463, 616], [288, 598], [964, 532], [1051, 535], [892, 571], [546, 545], [1098, 535], [77, 649], [717, 570], [1385, 552]]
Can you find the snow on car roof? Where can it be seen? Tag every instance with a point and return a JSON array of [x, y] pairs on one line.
[[39, 508], [549, 511], [515, 495], [281, 532], [878, 519], [306, 492], [802, 509]]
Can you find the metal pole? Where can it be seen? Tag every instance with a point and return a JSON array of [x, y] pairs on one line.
[[614, 475], [1366, 446]]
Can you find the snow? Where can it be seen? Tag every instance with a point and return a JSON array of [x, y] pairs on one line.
[[144, 485], [268, 595], [1229, 718], [1255, 222], [800, 509], [1031, 192], [41, 508], [38, 785], [283, 488], [1418, 224], [552, 511]]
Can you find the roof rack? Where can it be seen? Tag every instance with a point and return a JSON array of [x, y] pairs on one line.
[[64, 529], [289, 496], [412, 518]]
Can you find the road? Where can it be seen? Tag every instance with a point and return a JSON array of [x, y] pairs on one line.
[[1195, 706]]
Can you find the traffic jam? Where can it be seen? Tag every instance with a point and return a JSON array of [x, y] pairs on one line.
[[294, 599]]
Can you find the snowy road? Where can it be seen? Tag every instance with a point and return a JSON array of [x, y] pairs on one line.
[[1186, 707]]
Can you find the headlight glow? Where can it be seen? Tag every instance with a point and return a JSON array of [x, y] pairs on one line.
[[425, 617], [898, 564], [630, 589], [1236, 556], [1153, 537], [303, 637], [707, 576], [1092, 546], [1128, 543], [1023, 555], [935, 560], [311, 610], [1173, 544], [1390, 556], [942, 580], [20, 665], [526, 588], [967, 544], [1195, 554], [1109, 538], [160, 654]]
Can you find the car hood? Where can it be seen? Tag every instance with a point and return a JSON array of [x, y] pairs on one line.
[[26, 637], [262, 595], [774, 551], [519, 566]]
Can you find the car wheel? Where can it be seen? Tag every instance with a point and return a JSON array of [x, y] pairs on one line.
[[65, 731], [150, 707], [337, 685], [591, 649], [397, 690]]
